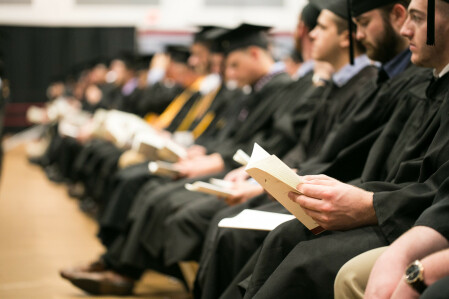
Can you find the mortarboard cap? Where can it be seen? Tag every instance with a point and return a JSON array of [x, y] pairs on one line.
[[143, 62], [244, 36], [361, 6], [201, 34], [213, 36], [128, 58], [338, 7], [309, 15], [178, 53]]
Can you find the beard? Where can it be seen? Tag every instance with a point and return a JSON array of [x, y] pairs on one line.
[[386, 46]]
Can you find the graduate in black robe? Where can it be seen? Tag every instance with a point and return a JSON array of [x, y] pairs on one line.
[[151, 232], [98, 159], [154, 202], [208, 131], [127, 182], [189, 225], [405, 167], [211, 97], [352, 138], [266, 81]]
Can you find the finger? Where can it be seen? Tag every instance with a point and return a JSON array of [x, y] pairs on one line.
[[316, 191], [315, 215], [320, 181], [309, 203], [316, 177]]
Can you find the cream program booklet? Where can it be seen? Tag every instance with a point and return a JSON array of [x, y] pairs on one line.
[[164, 169], [215, 187], [278, 180], [254, 219]]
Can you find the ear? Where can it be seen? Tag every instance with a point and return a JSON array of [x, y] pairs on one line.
[[344, 39], [398, 15], [300, 29], [254, 52]]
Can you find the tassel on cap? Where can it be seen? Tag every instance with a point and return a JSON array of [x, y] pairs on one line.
[[431, 22], [351, 32]]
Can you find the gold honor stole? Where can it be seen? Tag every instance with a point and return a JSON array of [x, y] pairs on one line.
[[164, 120], [198, 110]]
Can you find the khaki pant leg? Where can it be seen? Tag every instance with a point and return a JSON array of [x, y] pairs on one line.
[[352, 278]]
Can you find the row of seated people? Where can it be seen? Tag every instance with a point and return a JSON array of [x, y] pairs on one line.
[[363, 123]]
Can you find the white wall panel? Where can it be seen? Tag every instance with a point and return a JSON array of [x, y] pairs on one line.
[[167, 15]]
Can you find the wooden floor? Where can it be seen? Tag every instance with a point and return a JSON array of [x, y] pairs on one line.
[[42, 230]]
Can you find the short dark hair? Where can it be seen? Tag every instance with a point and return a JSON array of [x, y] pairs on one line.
[[343, 25], [385, 10]]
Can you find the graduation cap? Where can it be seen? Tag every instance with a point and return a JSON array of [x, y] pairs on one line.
[[244, 36], [100, 60], [361, 6], [341, 8], [178, 53], [309, 15], [143, 62], [201, 35], [128, 58], [213, 36]]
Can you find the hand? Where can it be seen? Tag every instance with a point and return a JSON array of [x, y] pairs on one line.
[[403, 290], [237, 175], [335, 205], [93, 94], [323, 70], [86, 133], [387, 273], [243, 191], [420, 242], [160, 61], [196, 151], [200, 166]]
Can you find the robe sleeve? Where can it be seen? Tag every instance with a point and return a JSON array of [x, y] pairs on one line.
[[398, 206]]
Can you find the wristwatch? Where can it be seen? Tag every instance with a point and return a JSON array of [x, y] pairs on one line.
[[414, 276]]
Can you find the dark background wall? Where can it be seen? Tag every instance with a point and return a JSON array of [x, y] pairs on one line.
[[33, 56]]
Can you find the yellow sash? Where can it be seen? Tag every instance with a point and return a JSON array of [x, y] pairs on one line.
[[198, 110], [203, 125], [164, 120]]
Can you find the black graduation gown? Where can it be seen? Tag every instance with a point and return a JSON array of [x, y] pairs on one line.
[[227, 132], [157, 97], [147, 220], [353, 138], [255, 116], [436, 215], [126, 183], [189, 225], [333, 106], [330, 105], [97, 162], [357, 132], [173, 200], [222, 108], [153, 213], [413, 153], [225, 251]]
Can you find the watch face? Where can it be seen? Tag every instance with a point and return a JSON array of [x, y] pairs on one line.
[[412, 273]]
